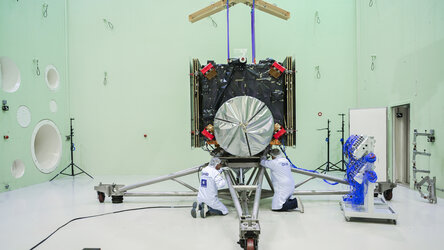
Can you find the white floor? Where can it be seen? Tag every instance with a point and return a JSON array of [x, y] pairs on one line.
[[28, 215]]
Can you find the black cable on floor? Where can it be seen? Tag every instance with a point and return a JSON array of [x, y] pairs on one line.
[[98, 215]]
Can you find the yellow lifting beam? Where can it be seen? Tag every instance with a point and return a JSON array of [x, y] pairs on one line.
[[222, 4]]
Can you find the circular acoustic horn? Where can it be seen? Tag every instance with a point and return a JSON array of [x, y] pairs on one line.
[[243, 126], [46, 146], [23, 116], [52, 77], [9, 75], [18, 169]]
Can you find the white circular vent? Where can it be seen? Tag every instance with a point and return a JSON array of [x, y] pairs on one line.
[[23, 116], [18, 169], [46, 146], [52, 77], [9, 75]]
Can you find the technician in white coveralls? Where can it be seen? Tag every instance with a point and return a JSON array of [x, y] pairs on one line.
[[283, 182], [210, 181]]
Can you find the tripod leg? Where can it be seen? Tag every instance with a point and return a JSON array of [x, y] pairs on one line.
[[342, 166], [334, 167], [61, 172], [54, 177], [83, 171], [320, 167]]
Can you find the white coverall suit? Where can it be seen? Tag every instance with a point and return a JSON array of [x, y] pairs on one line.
[[282, 179], [210, 181]]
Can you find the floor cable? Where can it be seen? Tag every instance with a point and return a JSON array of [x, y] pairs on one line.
[[114, 212]]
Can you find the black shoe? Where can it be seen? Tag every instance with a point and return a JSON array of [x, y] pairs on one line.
[[193, 210], [203, 210], [300, 206]]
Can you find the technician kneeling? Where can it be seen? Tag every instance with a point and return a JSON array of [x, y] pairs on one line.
[[210, 181], [283, 183]]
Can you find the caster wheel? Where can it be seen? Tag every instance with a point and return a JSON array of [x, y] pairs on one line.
[[388, 194], [117, 199], [375, 195], [101, 196], [250, 244]]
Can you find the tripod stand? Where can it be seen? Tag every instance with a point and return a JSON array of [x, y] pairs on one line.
[[342, 161], [329, 166], [72, 164]]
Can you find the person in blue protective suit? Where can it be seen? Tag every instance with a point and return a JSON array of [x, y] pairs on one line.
[[210, 181], [283, 182]]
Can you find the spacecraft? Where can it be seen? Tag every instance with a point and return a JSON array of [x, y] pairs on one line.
[[239, 109]]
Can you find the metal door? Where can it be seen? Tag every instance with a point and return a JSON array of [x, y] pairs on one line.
[[401, 128]]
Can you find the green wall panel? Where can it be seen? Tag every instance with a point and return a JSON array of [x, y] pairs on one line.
[[407, 38], [27, 35], [146, 57]]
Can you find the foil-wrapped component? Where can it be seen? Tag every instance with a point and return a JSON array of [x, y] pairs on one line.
[[243, 126]]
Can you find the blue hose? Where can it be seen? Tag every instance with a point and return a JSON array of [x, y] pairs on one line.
[[358, 190], [308, 170]]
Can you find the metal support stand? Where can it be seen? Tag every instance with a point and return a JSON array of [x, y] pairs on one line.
[[239, 191], [373, 208], [430, 181], [342, 161], [72, 164], [249, 228], [329, 166]]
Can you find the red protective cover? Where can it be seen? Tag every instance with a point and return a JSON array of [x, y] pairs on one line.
[[206, 68], [278, 67], [279, 133], [207, 134]]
